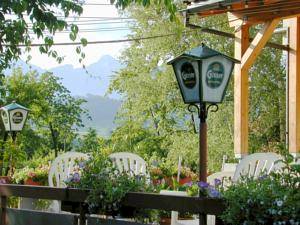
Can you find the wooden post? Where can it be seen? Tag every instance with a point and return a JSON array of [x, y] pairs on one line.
[[294, 85], [247, 54], [3, 209], [241, 107]]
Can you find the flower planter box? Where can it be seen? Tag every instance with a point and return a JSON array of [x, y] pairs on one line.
[[74, 207]]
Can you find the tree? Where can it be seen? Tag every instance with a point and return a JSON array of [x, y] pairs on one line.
[[19, 18], [90, 142], [54, 113], [152, 99]]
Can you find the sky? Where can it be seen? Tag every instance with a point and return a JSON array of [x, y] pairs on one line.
[[114, 31]]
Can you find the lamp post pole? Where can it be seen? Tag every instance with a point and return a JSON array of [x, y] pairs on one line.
[[203, 143], [202, 111], [202, 153]]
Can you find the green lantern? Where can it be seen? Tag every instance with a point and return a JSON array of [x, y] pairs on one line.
[[203, 74], [14, 116]]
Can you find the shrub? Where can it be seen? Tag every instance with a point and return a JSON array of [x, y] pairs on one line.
[[273, 199]]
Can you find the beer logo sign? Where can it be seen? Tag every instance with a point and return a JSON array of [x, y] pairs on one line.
[[17, 117], [188, 75], [214, 75]]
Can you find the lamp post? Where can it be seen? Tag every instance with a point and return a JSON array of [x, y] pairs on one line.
[[13, 117], [203, 75]]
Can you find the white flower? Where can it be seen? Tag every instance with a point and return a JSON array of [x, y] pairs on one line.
[[279, 203]]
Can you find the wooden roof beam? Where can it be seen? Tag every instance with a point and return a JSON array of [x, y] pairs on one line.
[[258, 43]]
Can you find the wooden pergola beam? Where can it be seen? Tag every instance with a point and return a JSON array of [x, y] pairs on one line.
[[258, 43], [241, 94], [294, 85]]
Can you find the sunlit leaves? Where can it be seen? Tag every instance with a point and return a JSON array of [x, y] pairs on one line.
[[44, 21]]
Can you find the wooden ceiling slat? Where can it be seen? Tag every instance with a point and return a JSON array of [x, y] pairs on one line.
[[255, 8], [281, 5]]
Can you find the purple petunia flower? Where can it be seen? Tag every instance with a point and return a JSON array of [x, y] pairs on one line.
[[202, 184], [2, 181], [189, 184], [263, 177], [213, 193], [81, 165], [218, 182], [76, 177]]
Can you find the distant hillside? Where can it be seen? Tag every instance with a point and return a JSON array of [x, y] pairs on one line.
[[91, 87], [77, 80], [103, 111]]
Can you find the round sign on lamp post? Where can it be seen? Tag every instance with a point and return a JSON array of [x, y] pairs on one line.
[[203, 75], [14, 117]]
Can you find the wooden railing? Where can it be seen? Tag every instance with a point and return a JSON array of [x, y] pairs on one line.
[[77, 197]]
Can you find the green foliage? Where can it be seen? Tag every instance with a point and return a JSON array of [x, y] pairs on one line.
[[108, 185], [13, 154], [130, 137], [267, 102], [90, 142], [273, 199], [15, 17], [54, 114], [169, 4], [152, 100]]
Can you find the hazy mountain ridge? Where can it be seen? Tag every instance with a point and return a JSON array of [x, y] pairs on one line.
[[102, 110], [76, 80], [91, 87]]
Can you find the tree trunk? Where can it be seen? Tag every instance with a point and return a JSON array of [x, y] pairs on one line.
[[54, 139]]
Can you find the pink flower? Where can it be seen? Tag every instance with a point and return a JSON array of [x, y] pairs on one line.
[[2, 181]]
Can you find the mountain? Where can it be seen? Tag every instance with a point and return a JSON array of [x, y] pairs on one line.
[[102, 110], [94, 80], [91, 86]]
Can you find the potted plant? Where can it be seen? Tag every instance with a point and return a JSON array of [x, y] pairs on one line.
[[186, 175], [272, 199], [156, 175], [107, 185], [32, 176]]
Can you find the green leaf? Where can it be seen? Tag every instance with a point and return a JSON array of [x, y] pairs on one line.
[[74, 28], [72, 36], [84, 42], [78, 49]]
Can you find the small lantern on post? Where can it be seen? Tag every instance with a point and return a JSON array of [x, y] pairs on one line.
[[203, 75], [14, 117]]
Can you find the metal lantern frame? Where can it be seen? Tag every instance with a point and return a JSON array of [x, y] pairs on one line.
[[197, 57], [9, 111]]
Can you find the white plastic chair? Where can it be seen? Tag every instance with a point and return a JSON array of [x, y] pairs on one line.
[[129, 162], [228, 167], [60, 170], [255, 164]]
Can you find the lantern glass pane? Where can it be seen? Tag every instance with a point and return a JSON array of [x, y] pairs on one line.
[[187, 74], [216, 72]]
